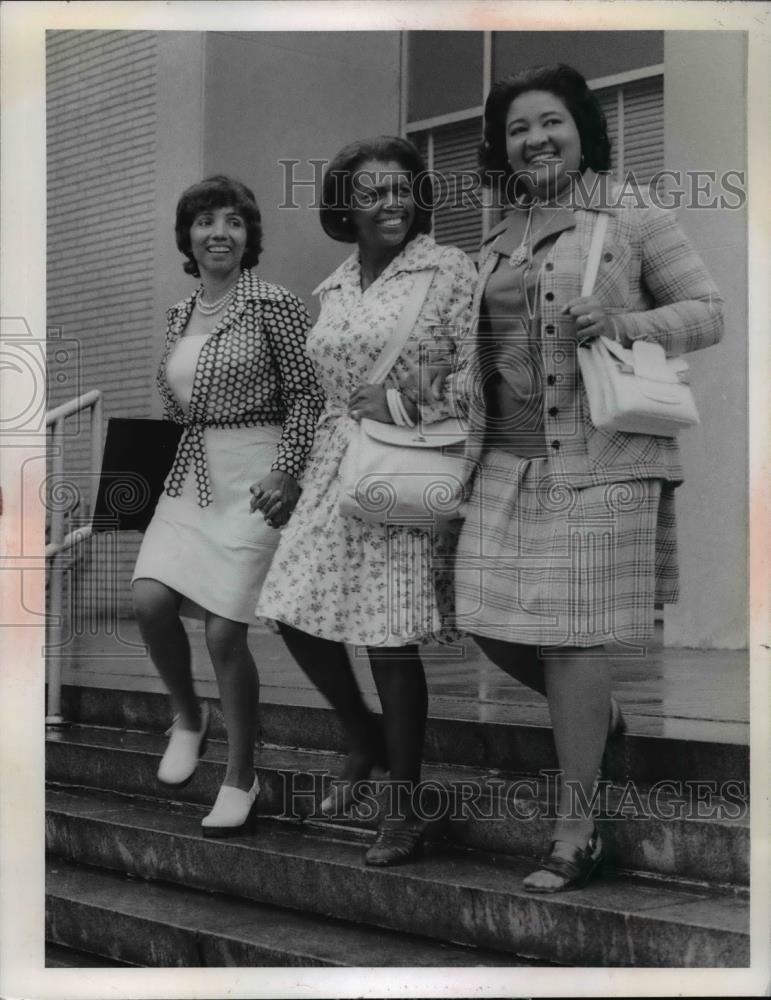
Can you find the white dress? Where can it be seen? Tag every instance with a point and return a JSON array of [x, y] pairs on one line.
[[338, 577], [215, 556]]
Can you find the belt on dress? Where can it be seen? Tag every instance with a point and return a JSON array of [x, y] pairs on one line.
[[192, 450]]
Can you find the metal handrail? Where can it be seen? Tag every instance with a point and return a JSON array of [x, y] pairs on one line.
[[59, 542]]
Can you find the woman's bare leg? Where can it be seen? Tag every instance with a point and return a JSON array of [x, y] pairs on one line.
[[578, 690], [239, 687], [157, 612]]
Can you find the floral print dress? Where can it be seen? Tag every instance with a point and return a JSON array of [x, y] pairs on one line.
[[338, 577]]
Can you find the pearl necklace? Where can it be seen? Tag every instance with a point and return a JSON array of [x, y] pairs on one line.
[[210, 308]]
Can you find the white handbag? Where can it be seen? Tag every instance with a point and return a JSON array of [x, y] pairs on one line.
[[637, 390], [411, 476]]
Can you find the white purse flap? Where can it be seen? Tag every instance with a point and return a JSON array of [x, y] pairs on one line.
[[435, 435], [650, 362], [658, 378]]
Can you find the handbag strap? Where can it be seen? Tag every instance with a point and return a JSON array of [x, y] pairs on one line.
[[404, 327], [595, 249]]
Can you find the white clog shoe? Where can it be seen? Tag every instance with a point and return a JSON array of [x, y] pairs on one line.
[[234, 812], [184, 751]]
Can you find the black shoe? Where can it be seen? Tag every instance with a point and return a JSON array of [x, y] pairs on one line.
[[397, 841]]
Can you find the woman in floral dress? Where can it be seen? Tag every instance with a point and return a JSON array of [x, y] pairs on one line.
[[337, 579]]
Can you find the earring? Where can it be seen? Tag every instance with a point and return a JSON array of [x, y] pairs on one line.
[[344, 219]]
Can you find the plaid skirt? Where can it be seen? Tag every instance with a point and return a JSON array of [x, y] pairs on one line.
[[542, 563]]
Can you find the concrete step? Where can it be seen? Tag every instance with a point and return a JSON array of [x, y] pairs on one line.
[[151, 924], [648, 831], [453, 896], [58, 956], [511, 747]]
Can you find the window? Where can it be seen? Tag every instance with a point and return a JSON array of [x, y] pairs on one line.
[[451, 153], [635, 113]]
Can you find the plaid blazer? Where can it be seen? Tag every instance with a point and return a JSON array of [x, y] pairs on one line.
[[654, 286]]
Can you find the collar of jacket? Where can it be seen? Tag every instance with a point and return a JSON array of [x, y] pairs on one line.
[[249, 288], [591, 192], [418, 255]]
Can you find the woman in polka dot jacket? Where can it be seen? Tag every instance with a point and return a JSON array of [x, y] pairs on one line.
[[235, 373]]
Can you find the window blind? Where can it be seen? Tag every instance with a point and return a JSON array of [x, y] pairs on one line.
[[451, 152], [635, 113]]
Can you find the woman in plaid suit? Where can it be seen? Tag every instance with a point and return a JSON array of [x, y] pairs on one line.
[[569, 537]]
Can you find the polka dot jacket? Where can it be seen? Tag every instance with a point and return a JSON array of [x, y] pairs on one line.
[[252, 370]]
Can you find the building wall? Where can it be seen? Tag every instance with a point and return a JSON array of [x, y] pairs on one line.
[[179, 149], [102, 166], [101, 180], [705, 130], [301, 96]]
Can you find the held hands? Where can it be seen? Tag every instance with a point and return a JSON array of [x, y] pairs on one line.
[[591, 318], [276, 497]]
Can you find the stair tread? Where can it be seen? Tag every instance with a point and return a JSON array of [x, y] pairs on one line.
[[324, 761], [305, 938], [58, 956], [512, 744], [624, 895]]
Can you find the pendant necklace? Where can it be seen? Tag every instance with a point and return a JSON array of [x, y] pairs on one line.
[[524, 252], [523, 255], [531, 309]]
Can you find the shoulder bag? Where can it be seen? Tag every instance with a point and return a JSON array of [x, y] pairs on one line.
[[411, 476], [637, 390]]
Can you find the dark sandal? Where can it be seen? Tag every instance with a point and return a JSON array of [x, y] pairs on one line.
[[575, 871], [397, 841]]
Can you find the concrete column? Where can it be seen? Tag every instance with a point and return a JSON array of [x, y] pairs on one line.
[[705, 129]]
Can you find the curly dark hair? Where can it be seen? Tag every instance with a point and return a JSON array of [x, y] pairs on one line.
[[218, 191], [571, 88], [337, 186]]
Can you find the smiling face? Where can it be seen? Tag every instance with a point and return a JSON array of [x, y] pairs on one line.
[[218, 241], [382, 206], [542, 142]]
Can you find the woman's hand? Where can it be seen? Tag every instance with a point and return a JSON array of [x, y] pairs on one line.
[[276, 497], [591, 318], [370, 401], [425, 385]]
